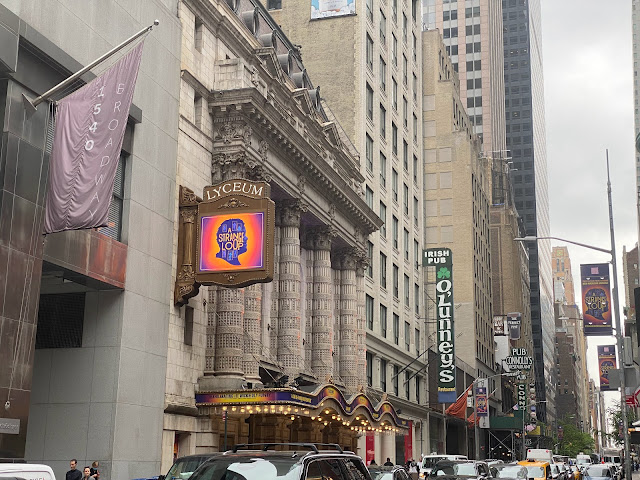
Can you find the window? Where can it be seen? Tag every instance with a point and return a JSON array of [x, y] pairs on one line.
[[383, 75], [396, 281], [370, 10], [415, 88], [394, 184], [383, 28], [383, 270], [396, 328], [416, 301], [416, 252], [405, 67], [383, 170], [406, 290], [383, 375], [369, 52], [405, 156], [274, 4], [405, 112], [415, 128], [394, 49], [198, 33], [407, 335], [405, 198], [414, 10], [383, 122], [415, 168], [415, 47], [369, 197], [405, 242], [404, 28], [114, 230], [369, 102], [369, 358], [369, 311], [394, 138], [383, 321], [188, 325], [396, 379], [369, 152], [370, 258], [394, 10], [407, 384], [415, 211], [383, 216], [394, 93], [418, 386], [395, 224]]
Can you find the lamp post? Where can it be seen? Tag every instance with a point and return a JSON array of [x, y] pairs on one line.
[[612, 252], [526, 409], [476, 430]]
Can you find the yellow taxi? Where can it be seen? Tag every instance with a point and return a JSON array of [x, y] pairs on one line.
[[537, 470]]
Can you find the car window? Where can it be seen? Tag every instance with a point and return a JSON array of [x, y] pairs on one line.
[[355, 469], [248, 468], [597, 472], [184, 467]]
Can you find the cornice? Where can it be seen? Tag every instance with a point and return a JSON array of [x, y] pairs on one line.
[[304, 154]]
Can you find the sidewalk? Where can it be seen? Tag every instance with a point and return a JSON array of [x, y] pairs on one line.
[[635, 475]]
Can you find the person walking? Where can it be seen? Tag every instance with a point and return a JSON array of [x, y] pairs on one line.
[[413, 470], [388, 463], [74, 473], [95, 473], [87, 474]]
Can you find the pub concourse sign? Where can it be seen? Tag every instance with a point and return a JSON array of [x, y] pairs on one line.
[[225, 238]]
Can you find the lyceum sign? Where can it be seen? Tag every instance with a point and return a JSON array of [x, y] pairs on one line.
[[442, 260]]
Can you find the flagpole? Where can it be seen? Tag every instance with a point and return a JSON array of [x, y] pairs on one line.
[[31, 105]]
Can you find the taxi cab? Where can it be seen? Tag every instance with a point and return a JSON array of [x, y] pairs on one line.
[[537, 470]]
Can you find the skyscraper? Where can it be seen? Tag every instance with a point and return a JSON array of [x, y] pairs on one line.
[[525, 128], [635, 7]]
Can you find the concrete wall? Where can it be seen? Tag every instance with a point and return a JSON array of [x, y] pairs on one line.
[[104, 401]]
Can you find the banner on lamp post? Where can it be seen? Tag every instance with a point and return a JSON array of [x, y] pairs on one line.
[[442, 260], [596, 299], [606, 363], [89, 129]]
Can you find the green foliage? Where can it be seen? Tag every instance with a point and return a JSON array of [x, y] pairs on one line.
[[615, 419], [574, 441]]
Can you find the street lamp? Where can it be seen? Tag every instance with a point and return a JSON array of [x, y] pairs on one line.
[[526, 409], [612, 252]]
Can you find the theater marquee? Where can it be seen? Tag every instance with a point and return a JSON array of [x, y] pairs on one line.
[[225, 238]]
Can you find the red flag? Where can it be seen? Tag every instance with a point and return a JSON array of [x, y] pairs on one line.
[[90, 125], [459, 407]]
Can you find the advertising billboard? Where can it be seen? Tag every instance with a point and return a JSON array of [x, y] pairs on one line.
[[442, 260], [596, 299], [606, 362], [332, 8]]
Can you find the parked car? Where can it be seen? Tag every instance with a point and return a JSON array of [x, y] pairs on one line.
[[509, 471], [429, 461], [597, 472], [537, 470], [460, 469], [26, 471], [397, 472], [558, 473], [577, 474], [293, 461], [616, 471], [184, 467]]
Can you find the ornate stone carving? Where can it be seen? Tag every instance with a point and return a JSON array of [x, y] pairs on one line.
[[233, 203], [185, 285], [291, 211], [332, 212], [263, 149], [255, 78], [246, 135], [301, 184]]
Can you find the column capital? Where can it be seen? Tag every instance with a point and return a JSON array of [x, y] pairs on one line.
[[323, 236], [349, 259], [291, 211]]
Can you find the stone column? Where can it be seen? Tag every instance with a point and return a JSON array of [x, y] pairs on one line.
[[271, 337], [307, 300], [322, 322], [212, 315], [361, 336], [335, 314], [289, 341], [229, 337], [348, 326], [252, 329]]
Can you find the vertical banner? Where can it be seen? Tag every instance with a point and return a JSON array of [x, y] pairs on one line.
[[498, 326], [522, 396], [606, 362], [370, 448], [482, 402], [408, 443], [596, 299], [90, 125], [442, 259], [514, 320]]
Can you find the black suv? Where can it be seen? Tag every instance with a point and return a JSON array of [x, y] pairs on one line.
[[292, 461]]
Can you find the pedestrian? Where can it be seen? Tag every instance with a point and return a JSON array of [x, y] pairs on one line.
[[388, 463], [74, 473], [413, 470], [373, 462], [87, 473], [95, 474]]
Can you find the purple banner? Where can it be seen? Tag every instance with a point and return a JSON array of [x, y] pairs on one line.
[[90, 125]]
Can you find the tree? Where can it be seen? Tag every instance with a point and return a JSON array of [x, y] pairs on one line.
[[615, 421], [574, 441]]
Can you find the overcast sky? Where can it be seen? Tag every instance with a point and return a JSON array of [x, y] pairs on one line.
[[588, 77]]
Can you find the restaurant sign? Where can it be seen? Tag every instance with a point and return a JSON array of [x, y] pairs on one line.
[[519, 360], [442, 260]]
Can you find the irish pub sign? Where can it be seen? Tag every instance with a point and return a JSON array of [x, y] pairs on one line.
[[442, 260], [225, 237]]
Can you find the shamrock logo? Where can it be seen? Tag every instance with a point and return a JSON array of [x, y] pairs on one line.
[[444, 273]]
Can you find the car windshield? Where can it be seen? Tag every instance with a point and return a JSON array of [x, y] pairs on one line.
[[456, 469], [583, 461], [183, 468], [535, 472], [597, 472], [510, 471], [249, 469], [430, 462]]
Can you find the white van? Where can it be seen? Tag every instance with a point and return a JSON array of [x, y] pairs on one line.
[[540, 455], [27, 471], [429, 461], [583, 461]]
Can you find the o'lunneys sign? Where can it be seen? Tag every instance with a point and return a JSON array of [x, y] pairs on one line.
[[442, 260]]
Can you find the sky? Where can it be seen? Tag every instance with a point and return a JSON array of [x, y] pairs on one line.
[[588, 79]]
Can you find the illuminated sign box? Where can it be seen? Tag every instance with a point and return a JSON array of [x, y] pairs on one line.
[[235, 234]]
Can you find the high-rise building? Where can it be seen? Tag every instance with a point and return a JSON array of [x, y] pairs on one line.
[[631, 284], [562, 273], [366, 57], [525, 128], [635, 17]]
